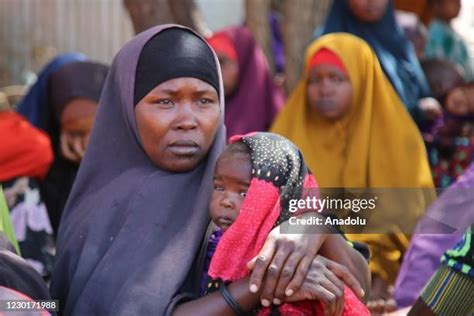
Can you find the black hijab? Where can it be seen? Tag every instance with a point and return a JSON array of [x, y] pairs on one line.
[[130, 231]]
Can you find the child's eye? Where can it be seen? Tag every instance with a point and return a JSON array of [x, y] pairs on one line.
[[218, 188], [243, 194]]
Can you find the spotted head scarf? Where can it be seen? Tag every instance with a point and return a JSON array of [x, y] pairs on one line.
[[279, 174]]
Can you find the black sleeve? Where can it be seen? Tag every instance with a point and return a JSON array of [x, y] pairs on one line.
[[179, 299]]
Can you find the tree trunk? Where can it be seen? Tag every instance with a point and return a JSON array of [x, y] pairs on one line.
[[186, 12], [148, 13], [256, 19], [301, 17]]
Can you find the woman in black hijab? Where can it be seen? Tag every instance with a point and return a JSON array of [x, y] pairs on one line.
[[130, 235], [73, 94]]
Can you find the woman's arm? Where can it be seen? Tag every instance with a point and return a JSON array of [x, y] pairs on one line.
[[214, 303]]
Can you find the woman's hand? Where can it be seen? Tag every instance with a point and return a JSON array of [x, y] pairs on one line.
[[286, 258], [325, 282], [72, 146], [283, 258], [381, 297]]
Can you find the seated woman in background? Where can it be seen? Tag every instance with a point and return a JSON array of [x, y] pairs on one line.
[[252, 98], [374, 22], [354, 132], [65, 103], [25, 158], [450, 141]]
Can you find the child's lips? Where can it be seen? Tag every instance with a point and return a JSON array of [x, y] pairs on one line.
[[224, 221]]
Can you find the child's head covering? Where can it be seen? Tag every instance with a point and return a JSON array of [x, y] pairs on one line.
[[279, 174]]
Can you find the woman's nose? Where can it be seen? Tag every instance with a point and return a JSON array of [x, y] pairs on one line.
[[186, 118]]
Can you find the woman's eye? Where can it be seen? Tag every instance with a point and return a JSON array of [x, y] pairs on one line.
[[166, 102], [206, 101], [337, 79]]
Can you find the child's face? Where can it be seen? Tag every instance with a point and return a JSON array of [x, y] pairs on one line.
[[232, 177], [329, 91], [457, 103], [447, 9]]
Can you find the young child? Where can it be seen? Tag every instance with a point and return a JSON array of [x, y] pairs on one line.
[[254, 179], [443, 41], [450, 141]]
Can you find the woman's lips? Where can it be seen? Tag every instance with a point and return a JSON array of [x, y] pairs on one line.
[[183, 148]]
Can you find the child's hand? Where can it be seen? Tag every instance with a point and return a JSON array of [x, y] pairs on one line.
[[325, 282], [430, 108]]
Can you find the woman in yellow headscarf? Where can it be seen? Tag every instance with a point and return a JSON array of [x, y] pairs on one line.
[[355, 132]]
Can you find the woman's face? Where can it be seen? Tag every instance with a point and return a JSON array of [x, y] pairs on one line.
[[230, 73], [368, 10], [76, 123], [329, 91], [177, 122], [447, 9]]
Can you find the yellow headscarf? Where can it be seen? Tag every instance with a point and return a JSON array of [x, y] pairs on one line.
[[376, 145]]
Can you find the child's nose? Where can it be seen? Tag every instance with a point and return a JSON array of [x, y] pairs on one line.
[[227, 202]]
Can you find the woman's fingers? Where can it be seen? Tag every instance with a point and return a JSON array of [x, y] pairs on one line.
[[77, 146], [260, 263], [66, 148], [327, 298], [274, 271], [334, 280], [299, 276], [345, 275], [287, 274], [338, 305]]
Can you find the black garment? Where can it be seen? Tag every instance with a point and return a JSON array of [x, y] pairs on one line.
[[174, 54], [17, 274]]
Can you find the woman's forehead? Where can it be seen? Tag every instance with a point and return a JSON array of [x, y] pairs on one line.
[[190, 83]]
